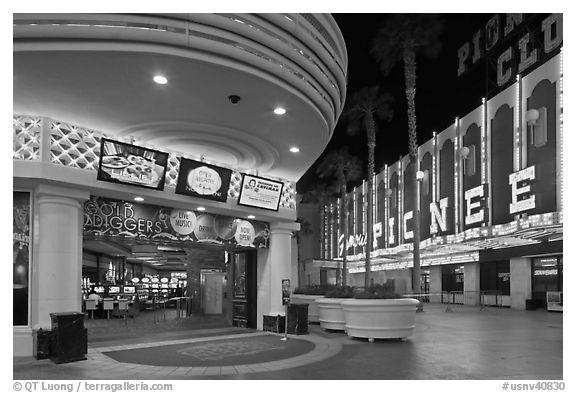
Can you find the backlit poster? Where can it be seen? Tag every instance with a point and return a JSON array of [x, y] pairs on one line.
[[202, 180], [259, 192], [128, 164]]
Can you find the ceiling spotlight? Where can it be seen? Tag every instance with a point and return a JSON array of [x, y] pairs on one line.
[[201, 209], [251, 216], [294, 149], [161, 80], [280, 111], [139, 199]]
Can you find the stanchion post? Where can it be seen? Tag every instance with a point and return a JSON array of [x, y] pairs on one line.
[[285, 323], [449, 308]]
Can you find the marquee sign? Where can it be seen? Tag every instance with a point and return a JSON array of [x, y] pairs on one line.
[[513, 184], [538, 42], [475, 211], [109, 217]]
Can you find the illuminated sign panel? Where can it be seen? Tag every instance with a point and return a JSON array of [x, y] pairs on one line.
[[476, 204], [540, 39], [522, 199], [490, 203]]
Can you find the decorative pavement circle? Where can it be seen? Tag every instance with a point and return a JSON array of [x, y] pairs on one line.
[[223, 355]]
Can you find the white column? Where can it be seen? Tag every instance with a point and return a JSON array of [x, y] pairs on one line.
[[435, 284], [57, 252], [274, 265], [520, 282], [294, 266], [472, 284]]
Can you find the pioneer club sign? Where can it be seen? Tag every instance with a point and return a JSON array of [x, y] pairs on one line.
[[532, 47], [475, 211]]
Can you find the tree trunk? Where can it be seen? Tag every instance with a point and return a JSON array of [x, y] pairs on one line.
[[344, 218], [371, 130], [410, 77]]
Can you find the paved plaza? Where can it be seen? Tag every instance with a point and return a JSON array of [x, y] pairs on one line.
[[464, 343]]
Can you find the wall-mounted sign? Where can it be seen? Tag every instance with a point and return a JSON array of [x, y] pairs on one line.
[[129, 164], [109, 217], [183, 221], [285, 291], [203, 180], [245, 233], [259, 192]]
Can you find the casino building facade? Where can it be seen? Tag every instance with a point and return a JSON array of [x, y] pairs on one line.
[[165, 148], [490, 189]]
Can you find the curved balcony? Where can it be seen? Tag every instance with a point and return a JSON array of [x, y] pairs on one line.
[[88, 69]]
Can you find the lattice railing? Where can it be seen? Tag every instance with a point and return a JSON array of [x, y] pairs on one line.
[[78, 147], [26, 137], [74, 146]]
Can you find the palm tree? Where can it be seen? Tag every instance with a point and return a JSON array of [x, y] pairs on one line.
[[400, 39], [305, 230], [362, 110], [319, 194], [345, 168]]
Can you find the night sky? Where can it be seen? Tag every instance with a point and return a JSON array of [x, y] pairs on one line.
[[440, 94]]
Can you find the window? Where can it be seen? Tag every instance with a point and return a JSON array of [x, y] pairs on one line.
[[470, 161], [426, 183], [452, 278], [538, 130], [495, 277], [547, 274]]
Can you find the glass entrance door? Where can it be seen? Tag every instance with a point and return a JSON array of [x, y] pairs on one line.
[[244, 289]]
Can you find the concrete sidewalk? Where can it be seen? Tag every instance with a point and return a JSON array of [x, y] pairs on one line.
[[467, 343]]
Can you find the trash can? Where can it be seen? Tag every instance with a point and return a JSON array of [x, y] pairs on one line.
[[42, 342], [69, 337], [274, 323], [531, 304], [297, 318]]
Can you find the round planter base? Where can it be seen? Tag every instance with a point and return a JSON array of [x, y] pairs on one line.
[[372, 333], [330, 314], [380, 318]]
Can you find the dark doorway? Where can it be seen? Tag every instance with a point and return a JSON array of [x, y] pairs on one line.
[[244, 289]]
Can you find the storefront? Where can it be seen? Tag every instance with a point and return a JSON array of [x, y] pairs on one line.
[[165, 252], [495, 283], [547, 275], [200, 124], [490, 195], [76, 230]]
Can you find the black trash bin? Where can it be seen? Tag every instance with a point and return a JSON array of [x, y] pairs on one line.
[[274, 323], [69, 337], [297, 318], [42, 342]]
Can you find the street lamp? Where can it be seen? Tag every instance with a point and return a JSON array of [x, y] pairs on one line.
[[420, 176]]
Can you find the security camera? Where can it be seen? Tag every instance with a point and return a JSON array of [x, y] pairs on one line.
[[234, 99]]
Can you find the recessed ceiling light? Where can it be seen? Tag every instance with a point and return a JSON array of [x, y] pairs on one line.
[[161, 80], [251, 216], [201, 209], [279, 111], [138, 199], [294, 149]]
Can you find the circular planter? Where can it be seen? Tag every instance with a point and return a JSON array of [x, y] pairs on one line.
[[310, 300], [330, 313], [380, 318]]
